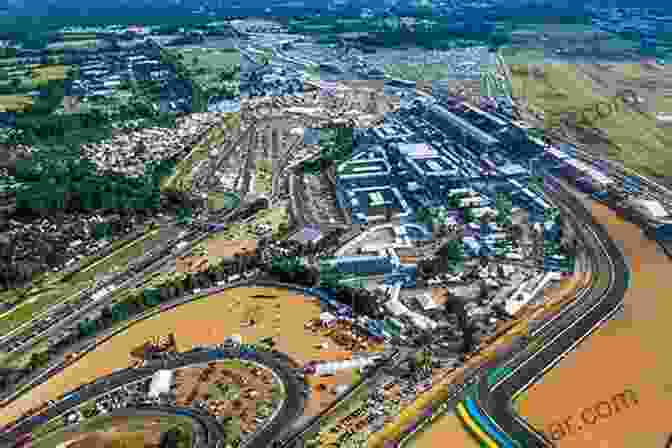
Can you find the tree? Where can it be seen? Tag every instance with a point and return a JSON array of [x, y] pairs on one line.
[[504, 205], [453, 201], [90, 410], [468, 215], [264, 58], [232, 430], [38, 360], [329, 276], [175, 437]]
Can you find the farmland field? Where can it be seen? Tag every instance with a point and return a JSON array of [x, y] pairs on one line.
[[49, 73], [208, 63], [631, 137], [15, 102]]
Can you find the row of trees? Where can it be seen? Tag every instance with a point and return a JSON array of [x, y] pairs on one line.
[[336, 145], [293, 270], [138, 302], [72, 184]]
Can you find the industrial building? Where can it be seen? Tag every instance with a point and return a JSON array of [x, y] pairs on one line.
[[363, 265]]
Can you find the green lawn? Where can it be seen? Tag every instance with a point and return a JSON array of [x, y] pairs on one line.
[[211, 62], [264, 176]]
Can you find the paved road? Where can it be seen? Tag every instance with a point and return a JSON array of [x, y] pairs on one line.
[[563, 334], [292, 408], [127, 279]]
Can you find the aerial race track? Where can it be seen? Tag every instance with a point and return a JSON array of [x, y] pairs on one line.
[[292, 408], [487, 411]]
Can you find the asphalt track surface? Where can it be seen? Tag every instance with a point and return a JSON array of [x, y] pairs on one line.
[[562, 334], [293, 405]]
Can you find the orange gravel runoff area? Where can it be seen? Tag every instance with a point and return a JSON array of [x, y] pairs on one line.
[[446, 431], [619, 376], [201, 322]]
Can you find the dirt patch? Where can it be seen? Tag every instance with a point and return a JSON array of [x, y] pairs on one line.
[[149, 436], [230, 389], [145, 439], [322, 390], [625, 354], [202, 322], [445, 431], [205, 321], [214, 249]]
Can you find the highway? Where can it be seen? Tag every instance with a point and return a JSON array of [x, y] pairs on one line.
[[292, 407], [119, 282], [562, 333]]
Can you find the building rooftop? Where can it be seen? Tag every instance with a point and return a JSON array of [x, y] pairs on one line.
[[417, 150], [650, 207]]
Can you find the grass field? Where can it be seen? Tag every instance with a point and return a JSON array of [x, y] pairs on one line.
[[417, 72], [55, 291], [264, 176], [39, 302], [633, 138], [216, 200], [10, 103], [210, 63], [116, 260], [21, 361], [48, 73]]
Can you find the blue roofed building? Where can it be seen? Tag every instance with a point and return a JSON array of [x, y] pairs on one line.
[[363, 265]]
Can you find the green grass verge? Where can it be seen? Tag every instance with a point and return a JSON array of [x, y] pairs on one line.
[[120, 258], [264, 176], [20, 361], [25, 312]]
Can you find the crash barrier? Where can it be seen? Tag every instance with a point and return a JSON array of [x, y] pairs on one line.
[[473, 429], [149, 313], [487, 425], [409, 417]]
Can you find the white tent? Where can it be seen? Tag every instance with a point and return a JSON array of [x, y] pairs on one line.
[[426, 301], [651, 208], [162, 380], [396, 307]]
